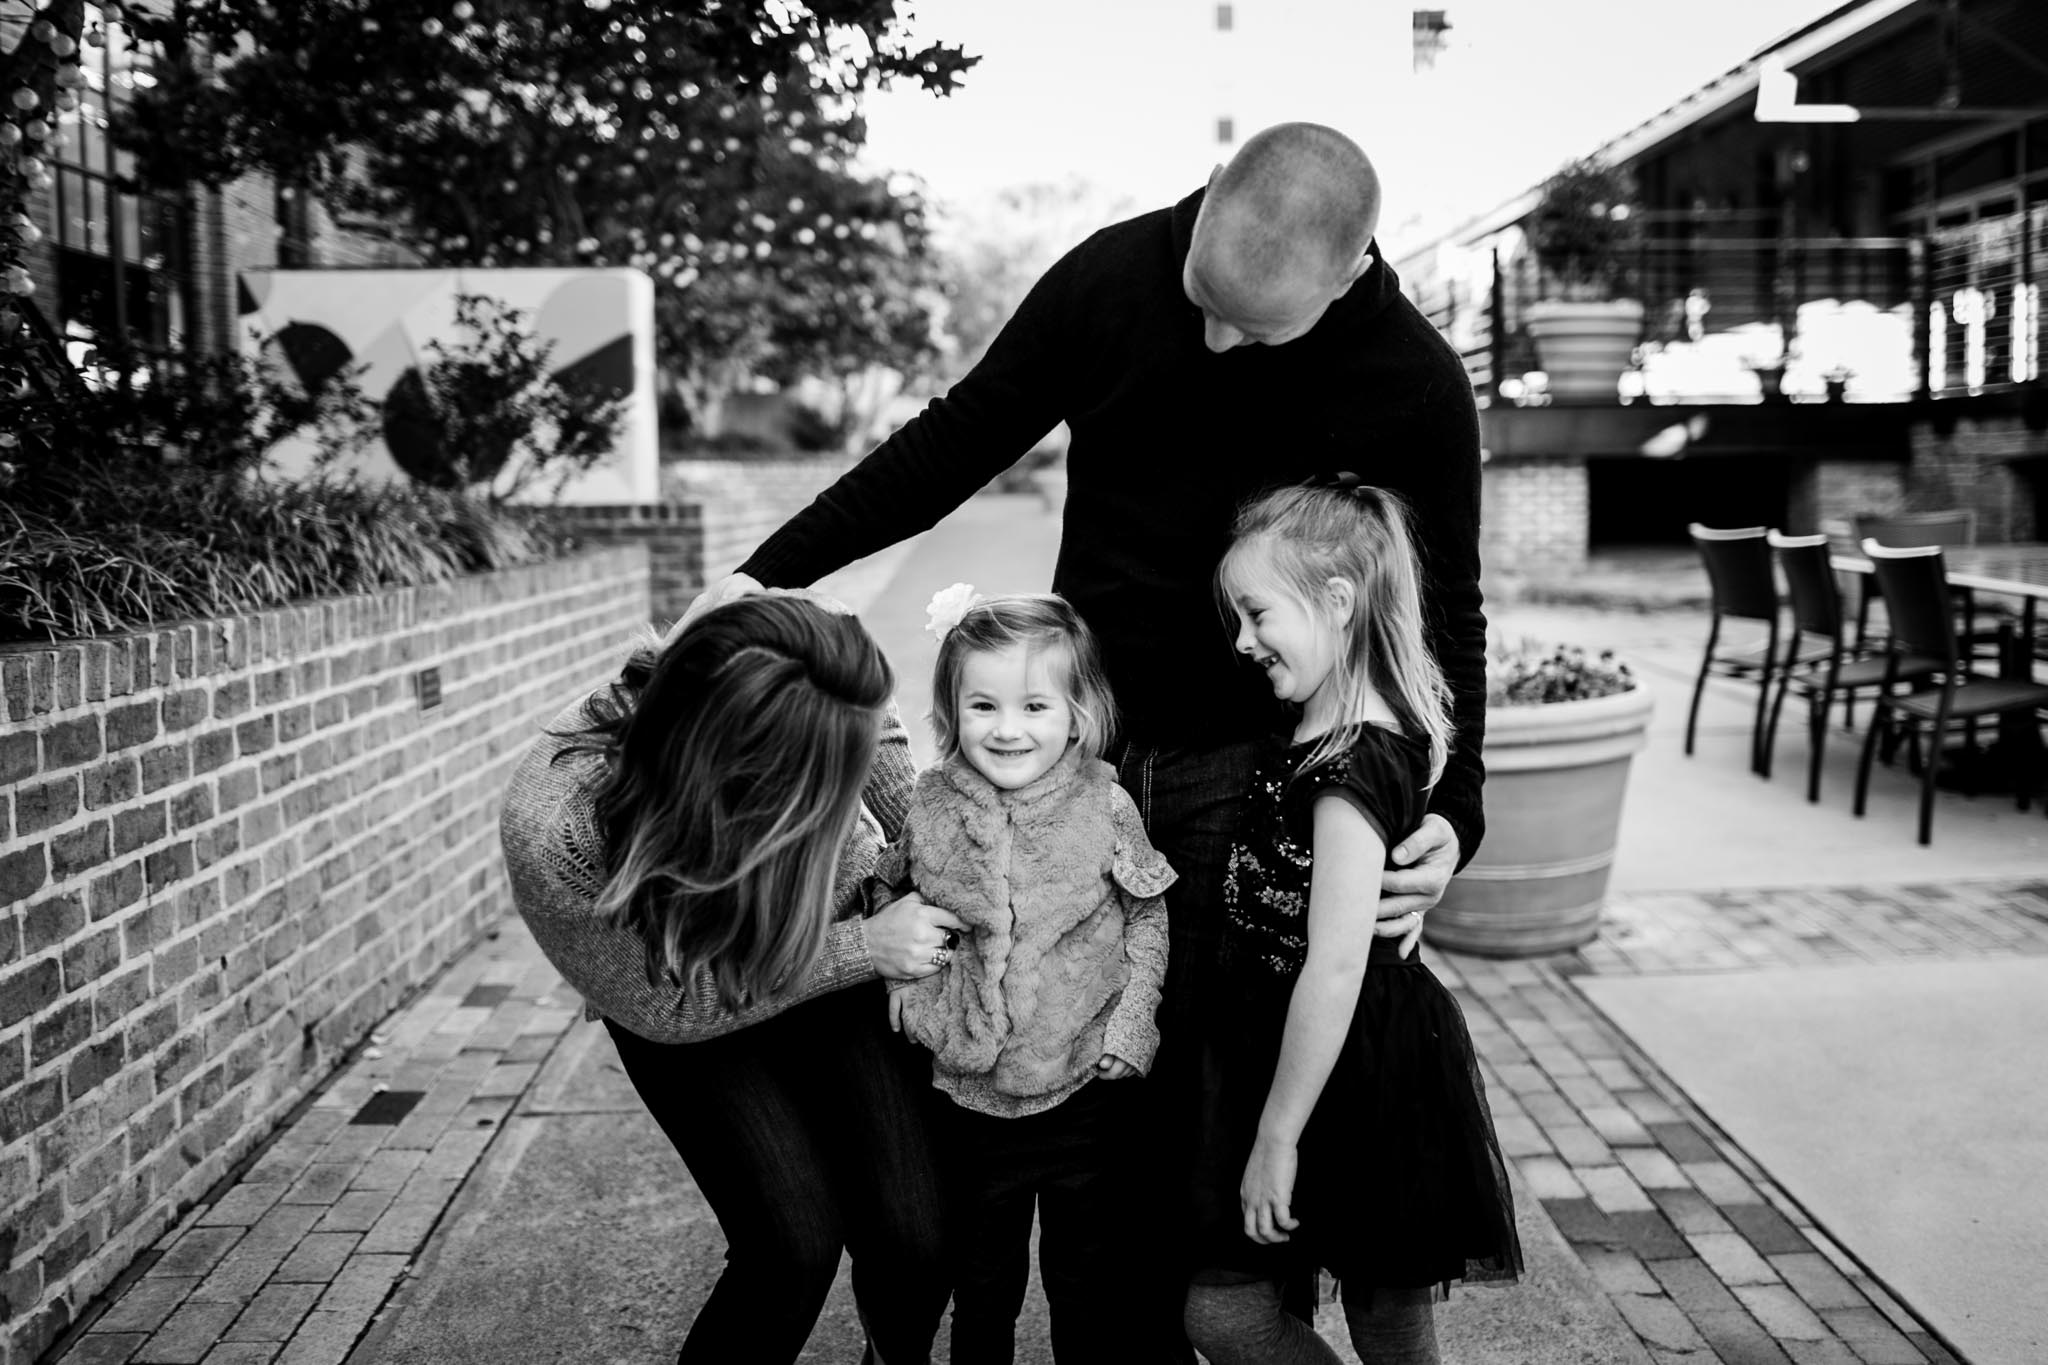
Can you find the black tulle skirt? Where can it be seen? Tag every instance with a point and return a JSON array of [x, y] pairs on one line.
[[1400, 1181]]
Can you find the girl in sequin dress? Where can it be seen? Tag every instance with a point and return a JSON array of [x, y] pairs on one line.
[[1345, 1124]]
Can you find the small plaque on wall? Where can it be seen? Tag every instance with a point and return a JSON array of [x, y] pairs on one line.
[[427, 683]]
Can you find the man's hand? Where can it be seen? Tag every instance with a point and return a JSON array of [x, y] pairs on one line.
[[904, 940], [1423, 863], [1113, 1068], [718, 594]]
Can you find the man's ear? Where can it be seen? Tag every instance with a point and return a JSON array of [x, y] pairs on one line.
[[1361, 265]]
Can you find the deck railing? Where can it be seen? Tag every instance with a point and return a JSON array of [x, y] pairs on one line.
[[1731, 318]]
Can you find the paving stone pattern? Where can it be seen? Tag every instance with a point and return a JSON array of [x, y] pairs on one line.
[[291, 1259], [1705, 1257]]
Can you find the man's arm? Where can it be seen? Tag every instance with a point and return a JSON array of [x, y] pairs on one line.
[[941, 457], [1446, 504]]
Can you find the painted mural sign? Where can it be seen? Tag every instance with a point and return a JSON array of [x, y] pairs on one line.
[[601, 323]]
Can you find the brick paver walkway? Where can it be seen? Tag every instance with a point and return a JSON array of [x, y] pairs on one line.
[[289, 1260], [1704, 1255], [1706, 1258]]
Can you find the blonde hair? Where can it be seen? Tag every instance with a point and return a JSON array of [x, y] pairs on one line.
[[1302, 537], [1036, 621], [737, 754]]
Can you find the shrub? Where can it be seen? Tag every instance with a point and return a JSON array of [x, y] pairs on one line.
[[127, 509], [489, 413], [1528, 674]]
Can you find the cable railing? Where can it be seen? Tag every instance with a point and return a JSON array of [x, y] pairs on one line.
[[1762, 318]]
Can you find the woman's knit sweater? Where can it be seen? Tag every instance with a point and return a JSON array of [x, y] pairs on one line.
[[555, 854]]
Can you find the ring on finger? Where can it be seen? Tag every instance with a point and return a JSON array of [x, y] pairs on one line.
[[942, 957]]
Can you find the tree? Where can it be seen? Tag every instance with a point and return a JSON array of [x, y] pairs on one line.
[[995, 251], [40, 76], [708, 143]]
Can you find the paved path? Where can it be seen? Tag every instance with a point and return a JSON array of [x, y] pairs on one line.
[[479, 1166]]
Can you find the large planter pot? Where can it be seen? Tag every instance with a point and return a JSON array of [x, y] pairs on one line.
[[1584, 347], [1555, 775]]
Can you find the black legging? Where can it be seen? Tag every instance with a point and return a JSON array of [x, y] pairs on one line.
[[807, 1134]]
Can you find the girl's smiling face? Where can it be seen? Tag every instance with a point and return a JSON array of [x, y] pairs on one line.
[[1294, 641], [1015, 719]]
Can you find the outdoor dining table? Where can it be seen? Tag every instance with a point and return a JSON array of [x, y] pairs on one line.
[[2017, 569]]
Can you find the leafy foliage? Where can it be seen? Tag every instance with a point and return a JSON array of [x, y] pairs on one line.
[[1529, 674], [710, 144], [1584, 228], [486, 413], [130, 506]]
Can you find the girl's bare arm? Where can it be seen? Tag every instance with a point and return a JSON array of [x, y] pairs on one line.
[[1343, 897]]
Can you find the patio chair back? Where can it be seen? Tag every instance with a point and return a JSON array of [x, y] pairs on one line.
[[1810, 584], [1739, 574], [1954, 526], [1914, 581]]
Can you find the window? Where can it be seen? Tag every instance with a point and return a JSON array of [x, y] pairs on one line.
[[1225, 20], [96, 222], [1226, 130]]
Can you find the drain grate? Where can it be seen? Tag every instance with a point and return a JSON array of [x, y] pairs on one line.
[[388, 1106]]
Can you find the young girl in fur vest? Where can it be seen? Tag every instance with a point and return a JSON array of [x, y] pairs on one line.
[[1044, 1009]]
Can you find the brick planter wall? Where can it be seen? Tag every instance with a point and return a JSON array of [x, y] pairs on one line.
[[744, 500], [227, 849], [713, 515], [672, 534]]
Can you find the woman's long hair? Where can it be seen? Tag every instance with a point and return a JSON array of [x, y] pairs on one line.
[[1036, 621], [1298, 539], [737, 755]]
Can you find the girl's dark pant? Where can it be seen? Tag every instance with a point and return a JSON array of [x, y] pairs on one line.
[[1073, 1163], [807, 1133]]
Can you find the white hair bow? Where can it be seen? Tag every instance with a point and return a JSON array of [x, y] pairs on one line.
[[947, 607]]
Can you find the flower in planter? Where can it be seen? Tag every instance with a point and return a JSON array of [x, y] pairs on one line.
[[1584, 230], [1528, 674]]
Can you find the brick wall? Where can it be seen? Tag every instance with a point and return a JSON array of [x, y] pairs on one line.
[[226, 851], [715, 512], [673, 534], [744, 500], [1839, 489], [1971, 465], [1533, 512]]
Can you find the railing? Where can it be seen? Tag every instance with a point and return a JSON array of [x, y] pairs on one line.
[[1737, 319]]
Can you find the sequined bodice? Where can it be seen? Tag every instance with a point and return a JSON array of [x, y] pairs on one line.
[[1266, 880]]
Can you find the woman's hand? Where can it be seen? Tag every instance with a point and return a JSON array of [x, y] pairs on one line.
[[910, 938], [1268, 1190], [1423, 864]]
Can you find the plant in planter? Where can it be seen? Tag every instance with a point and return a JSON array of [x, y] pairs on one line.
[[1561, 727], [1584, 232]]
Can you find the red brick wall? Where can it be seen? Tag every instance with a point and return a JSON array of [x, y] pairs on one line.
[[226, 850]]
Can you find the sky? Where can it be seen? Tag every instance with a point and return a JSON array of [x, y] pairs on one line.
[[1124, 94]]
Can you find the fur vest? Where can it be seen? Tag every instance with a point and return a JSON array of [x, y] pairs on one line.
[[1065, 949]]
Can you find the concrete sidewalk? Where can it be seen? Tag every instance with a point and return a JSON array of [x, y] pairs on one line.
[[479, 1182]]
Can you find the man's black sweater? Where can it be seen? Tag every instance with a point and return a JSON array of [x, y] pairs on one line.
[[1168, 439]]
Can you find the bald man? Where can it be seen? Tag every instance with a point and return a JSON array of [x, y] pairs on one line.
[[1247, 336]]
